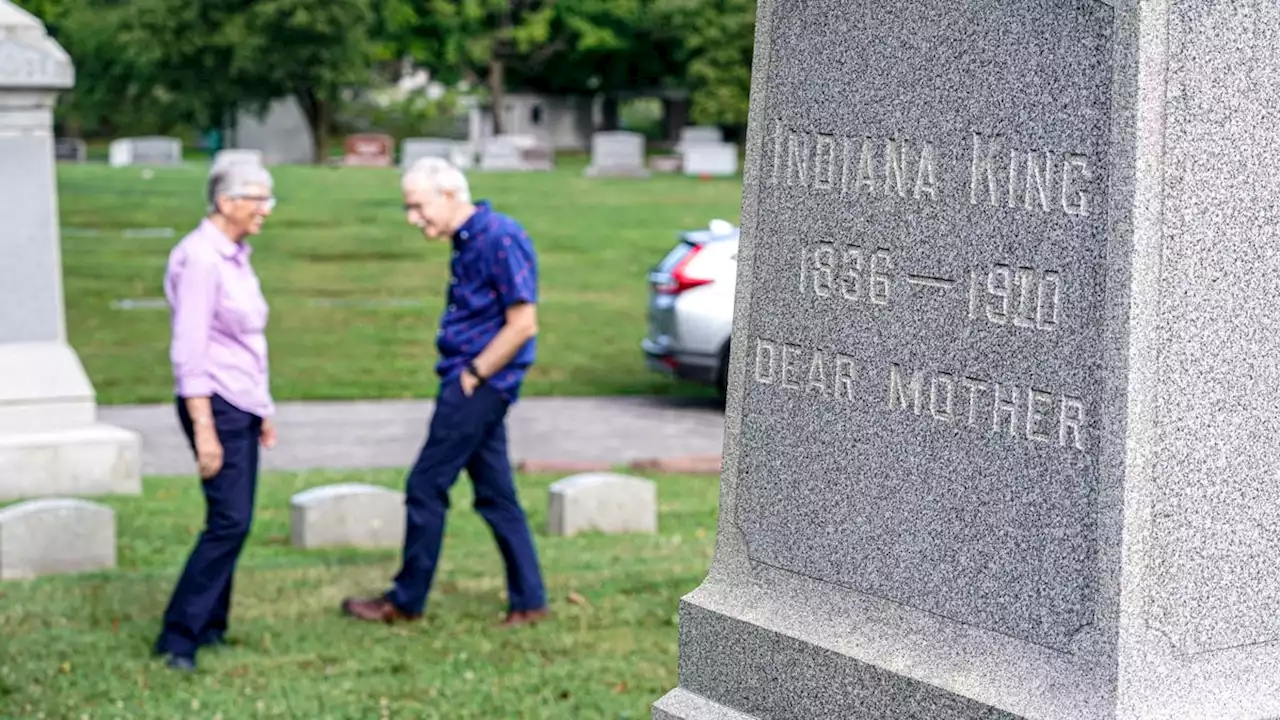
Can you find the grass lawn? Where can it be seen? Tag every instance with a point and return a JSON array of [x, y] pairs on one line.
[[356, 293], [79, 646]]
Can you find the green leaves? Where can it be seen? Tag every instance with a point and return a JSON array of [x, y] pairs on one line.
[[563, 46], [717, 40], [157, 63]]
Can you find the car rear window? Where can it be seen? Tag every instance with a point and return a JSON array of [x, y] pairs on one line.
[[673, 257]]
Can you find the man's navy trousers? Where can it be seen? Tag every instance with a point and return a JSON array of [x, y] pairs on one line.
[[465, 432]]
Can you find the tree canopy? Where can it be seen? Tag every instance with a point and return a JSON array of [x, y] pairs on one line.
[[164, 62], [717, 38]]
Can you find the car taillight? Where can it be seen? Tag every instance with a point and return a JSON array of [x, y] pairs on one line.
[[680, 279]]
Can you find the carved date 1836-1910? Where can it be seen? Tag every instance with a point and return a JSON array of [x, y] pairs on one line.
[[1000, 294]]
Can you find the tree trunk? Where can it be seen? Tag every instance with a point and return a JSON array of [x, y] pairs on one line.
[[497, 93], [320, 130], [229, 127], [318, 112], [675, 115], [609, 111]]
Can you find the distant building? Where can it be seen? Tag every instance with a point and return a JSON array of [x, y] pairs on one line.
[[565, 122]]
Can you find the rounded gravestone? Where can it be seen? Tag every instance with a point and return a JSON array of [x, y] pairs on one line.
[[53, 536], [617, 153], [609, 503], [347, 515]]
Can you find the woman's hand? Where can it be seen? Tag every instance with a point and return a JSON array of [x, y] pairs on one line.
[[208, 450], [268, 434]]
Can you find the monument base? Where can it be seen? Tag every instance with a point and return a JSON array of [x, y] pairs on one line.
[[88, 461], [779, 645], [683, 705], [50, 440], [786, 646]]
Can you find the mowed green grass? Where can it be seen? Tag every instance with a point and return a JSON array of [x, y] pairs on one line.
[[356, 294], [78, 646]]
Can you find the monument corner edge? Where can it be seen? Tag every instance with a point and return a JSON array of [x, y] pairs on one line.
[[31, 59]]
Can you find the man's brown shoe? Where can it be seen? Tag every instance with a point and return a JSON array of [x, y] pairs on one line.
[[377, 609], [516, 618]]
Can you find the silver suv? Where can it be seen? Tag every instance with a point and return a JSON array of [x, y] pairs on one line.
[[691, 306]]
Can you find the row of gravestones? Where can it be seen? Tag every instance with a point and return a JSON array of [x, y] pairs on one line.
[[509, 152], [518, 153], [51, 536], [700, 151], [154, 150]]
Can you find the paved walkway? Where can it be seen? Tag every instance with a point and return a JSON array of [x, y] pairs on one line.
[[388, 433]]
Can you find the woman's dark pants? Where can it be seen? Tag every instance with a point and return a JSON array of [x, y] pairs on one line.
[[197, 612]]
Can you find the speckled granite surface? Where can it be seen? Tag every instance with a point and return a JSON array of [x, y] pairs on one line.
[[1005, 379]]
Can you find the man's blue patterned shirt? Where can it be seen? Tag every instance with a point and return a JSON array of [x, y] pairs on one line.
[[494, 267]]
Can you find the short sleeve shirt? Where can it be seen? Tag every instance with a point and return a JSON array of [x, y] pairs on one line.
[[493, 267]]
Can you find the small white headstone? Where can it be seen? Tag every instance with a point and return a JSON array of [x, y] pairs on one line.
[[459, 153], [347, 515], [500, 154], [617, 153], [231, 156], [715, 160], [521, 153], [605, 502], [698, 135], [150, 150], [665, 163], [54, 536], [538, 157], [524, 141]]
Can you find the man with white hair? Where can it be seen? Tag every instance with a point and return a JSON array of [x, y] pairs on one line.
[[486, 345]]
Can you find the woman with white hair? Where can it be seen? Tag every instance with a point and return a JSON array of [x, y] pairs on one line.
[[219, 355]]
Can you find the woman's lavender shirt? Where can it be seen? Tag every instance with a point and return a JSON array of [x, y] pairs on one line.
[[219, 319]]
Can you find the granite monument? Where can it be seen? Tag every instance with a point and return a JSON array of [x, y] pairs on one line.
[[710, 159], [50, 440], [149, 150], [617, 153], [1003, 399]]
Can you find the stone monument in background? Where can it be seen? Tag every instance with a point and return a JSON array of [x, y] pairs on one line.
[[1005, 390], [50, 440], [617, 153]]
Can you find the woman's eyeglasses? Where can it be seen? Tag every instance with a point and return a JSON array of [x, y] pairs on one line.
[[266, 202]]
